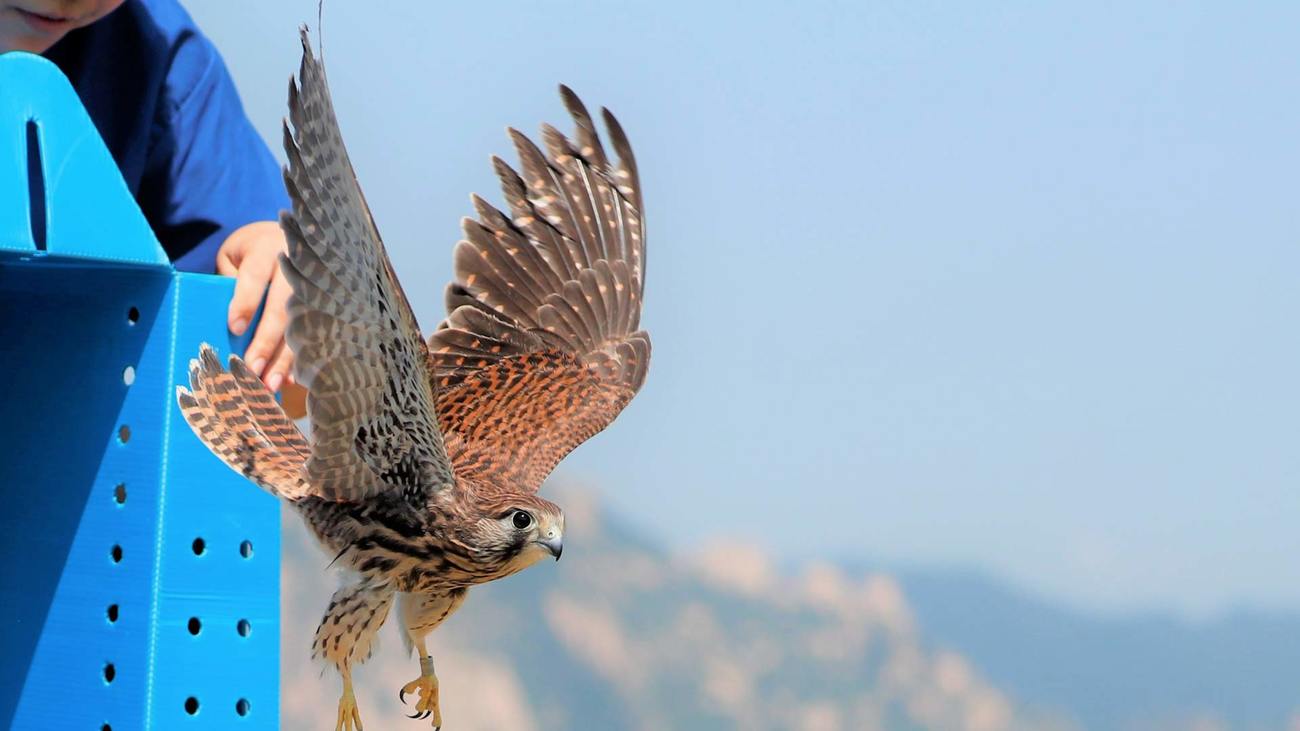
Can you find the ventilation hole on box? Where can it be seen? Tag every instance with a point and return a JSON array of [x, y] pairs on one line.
[[198, 546], [195, 625], [36, 187], [246, 549], [191, 705], [110, 672], [128, 375], [133, 316], [241, 706], [105, 727], [243, 628], [124, 434], [112, 613], [116, 553], [119, 493]]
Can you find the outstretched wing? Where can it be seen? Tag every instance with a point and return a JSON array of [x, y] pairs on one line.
[[541, 348], [357, 345]]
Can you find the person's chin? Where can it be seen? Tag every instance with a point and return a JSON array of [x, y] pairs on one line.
[[20, 31]]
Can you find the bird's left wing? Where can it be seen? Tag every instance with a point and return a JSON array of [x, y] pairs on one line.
[[542, 346], [357, 345]]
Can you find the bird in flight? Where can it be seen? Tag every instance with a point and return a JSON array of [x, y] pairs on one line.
[[421, 472]]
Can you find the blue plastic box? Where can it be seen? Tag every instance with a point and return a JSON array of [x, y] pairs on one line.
[[140, 576]]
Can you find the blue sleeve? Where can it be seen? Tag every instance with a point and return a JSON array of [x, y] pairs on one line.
[[208, 171]]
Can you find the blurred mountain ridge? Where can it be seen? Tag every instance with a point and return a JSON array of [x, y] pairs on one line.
[[622, 635], [1238, 670]]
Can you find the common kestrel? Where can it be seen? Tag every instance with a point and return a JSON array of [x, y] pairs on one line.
[[424, 459]]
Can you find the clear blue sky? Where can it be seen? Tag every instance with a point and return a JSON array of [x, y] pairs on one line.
[[1010, 288]]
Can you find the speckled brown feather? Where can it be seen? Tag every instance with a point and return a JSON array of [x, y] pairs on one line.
[[357, 346], [541, 348], [235, 416]]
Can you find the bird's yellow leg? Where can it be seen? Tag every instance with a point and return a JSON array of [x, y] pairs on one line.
[[349, 719], [427, 687]]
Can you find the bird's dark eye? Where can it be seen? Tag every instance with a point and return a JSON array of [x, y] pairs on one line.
[[522, 519]]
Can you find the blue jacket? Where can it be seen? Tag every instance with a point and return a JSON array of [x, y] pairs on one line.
[[165, 105]]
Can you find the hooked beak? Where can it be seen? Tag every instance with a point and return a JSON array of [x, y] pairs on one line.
[[555, 545]]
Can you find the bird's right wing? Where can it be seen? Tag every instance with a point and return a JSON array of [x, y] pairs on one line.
[[357, 346], [542, 346]]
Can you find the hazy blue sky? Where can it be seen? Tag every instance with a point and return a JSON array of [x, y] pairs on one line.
[[1013, 288]]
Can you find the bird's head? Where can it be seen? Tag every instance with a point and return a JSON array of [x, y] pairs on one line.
[[516, 531]]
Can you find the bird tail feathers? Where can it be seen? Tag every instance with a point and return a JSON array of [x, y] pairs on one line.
[[235, 415]]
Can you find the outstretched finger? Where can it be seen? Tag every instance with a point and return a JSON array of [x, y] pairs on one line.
[[264, 350], [251, 280], [279, 368]]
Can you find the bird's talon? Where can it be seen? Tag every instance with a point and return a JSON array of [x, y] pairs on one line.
[[426, 686], [349, 718]]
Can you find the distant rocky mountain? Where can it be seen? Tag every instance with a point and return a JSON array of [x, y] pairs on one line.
[[619, 635], [1129, 673]]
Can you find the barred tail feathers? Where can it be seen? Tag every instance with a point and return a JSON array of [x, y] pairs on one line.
[[235, 415]]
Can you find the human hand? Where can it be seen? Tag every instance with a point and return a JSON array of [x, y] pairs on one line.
[[251, 255]]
